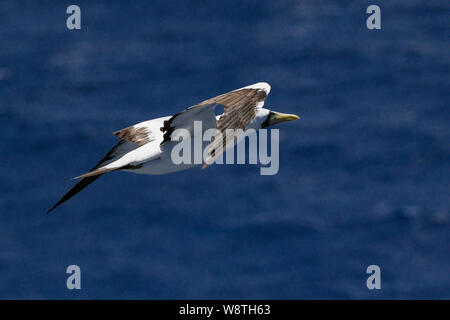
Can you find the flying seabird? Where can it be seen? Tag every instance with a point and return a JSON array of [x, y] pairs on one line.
[[145, 148]]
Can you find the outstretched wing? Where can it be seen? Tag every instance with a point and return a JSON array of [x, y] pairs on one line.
[[116, 152], [185, 120], [240, 107], [133, 137]]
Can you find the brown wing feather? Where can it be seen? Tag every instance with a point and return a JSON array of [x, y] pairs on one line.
[[239, 109], [139, 136]]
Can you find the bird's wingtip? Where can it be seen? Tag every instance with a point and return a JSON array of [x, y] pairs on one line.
[[259, 85], [262, 86], [51, 209]]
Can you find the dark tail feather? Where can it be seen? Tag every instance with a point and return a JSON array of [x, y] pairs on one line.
[[83, 183]]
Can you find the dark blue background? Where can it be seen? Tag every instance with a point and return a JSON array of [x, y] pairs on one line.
[[364, 174]]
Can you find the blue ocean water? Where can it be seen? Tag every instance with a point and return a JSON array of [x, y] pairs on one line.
[[364, 174]]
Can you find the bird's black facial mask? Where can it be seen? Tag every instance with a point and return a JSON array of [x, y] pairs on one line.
[[266, 122]]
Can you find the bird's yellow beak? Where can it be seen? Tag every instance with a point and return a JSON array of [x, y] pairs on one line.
[[281, 117], [277, 117]]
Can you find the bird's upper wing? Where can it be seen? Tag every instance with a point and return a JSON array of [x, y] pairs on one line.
[[240, 107], [185, 120]]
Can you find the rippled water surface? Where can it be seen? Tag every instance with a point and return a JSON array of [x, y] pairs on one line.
[[364, 174]]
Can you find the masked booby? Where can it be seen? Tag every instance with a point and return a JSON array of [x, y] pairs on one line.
[[145, 148]]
